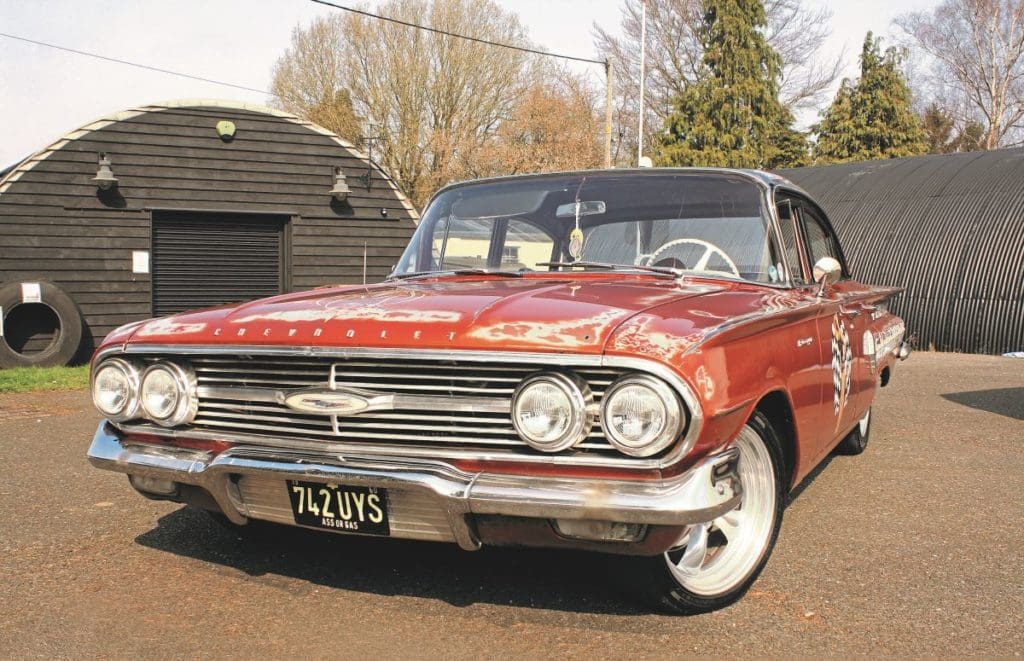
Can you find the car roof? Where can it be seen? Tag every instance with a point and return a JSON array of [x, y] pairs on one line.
[[762, 177]]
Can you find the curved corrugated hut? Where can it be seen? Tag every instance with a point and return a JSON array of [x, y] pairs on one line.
[[214, 202], [949, 228]]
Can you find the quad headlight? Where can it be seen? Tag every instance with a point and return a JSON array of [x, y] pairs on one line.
[[115, 389], [163, 392], [552, 411], [168, 394], [641, 415]]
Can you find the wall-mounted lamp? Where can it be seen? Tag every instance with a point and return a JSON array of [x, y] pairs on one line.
[[104, 179], [341, 190], [226, 130]]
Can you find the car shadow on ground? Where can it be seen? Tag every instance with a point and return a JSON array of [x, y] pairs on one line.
[[534, 578], [1002, 401]]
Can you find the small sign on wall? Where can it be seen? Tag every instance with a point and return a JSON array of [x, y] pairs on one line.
[[31, 292], [140, 261]]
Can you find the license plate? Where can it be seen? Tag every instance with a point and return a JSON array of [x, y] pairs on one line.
[[340, 508]]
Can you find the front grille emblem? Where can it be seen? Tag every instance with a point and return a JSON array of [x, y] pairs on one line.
[[327, 402], [336, 400]]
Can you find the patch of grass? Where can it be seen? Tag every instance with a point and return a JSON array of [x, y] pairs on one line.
[[34, 379]]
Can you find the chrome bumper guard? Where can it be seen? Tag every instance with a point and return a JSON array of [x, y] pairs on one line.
[[704, 492]]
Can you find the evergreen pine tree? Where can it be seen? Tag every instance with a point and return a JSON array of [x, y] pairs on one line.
[[871, 118], [732, 117], [938, 129]]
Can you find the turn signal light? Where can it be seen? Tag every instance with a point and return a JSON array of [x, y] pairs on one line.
[[600, 531]]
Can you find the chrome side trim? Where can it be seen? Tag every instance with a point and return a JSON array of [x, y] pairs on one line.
[[707, 490], [647, 365]]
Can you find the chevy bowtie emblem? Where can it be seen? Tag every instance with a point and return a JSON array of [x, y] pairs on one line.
[[327, 402]]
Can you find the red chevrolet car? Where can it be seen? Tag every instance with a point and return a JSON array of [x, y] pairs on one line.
[[635, 362]]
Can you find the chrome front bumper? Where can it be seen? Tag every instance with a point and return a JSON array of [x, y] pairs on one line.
[[706, 491]]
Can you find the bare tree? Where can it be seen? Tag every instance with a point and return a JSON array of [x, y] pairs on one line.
[[436, 100], [797, 35], [555, 126], [675, 60], [976, 49], [309, 80]]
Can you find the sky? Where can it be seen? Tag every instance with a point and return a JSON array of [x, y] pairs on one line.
[[45, 93]]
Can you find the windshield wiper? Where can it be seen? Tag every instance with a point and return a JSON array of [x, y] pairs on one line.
[[425, 274], [664, 270]]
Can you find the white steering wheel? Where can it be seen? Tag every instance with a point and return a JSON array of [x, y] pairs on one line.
[[710, 249]]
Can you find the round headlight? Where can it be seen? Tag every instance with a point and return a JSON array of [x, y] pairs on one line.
[[168, 394], [641, 415], [115, 389], [552, 412]]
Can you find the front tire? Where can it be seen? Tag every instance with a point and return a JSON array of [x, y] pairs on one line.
[[716, 562]]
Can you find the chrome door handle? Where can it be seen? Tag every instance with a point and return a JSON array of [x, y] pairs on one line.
[[850, 312]]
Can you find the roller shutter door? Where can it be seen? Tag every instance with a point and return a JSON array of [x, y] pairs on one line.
[[203, 259]]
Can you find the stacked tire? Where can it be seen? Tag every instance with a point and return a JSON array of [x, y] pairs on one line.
[[39, 325]]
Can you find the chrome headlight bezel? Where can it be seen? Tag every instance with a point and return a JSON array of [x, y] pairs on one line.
[[187, 405], [580, 405], [674, 420], [131, 373]]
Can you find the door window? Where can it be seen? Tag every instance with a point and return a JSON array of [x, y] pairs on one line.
[[819, 240], [788, 229]]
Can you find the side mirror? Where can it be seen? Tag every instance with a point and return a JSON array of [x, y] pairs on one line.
[[826, 272]]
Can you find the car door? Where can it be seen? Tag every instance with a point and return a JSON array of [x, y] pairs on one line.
[[841, 322], [810, 379]]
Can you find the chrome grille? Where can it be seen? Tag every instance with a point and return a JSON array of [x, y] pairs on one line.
[[231, 408]]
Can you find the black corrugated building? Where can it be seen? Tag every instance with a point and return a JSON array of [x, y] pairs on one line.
[[949, 228], [214, 202]]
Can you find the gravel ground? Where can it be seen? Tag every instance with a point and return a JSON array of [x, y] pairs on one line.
[[913, 548]]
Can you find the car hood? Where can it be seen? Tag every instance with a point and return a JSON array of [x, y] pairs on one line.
[[524, 314]]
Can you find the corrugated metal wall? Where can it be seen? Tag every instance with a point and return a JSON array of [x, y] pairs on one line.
[[949, 228]]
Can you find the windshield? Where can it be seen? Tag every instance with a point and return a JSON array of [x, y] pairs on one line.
[[710, 223]]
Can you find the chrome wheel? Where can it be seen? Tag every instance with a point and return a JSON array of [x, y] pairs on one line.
[[715, 558]]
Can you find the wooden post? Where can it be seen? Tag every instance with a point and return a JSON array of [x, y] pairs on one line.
[[610, 78]]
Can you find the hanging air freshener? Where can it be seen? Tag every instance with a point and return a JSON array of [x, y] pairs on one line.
[[576, 236], [576, 244]]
